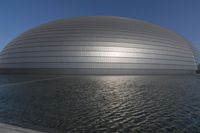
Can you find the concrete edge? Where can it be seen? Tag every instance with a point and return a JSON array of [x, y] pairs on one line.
[[6, 128]]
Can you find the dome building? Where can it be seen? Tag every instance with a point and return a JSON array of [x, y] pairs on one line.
[[98, 45]]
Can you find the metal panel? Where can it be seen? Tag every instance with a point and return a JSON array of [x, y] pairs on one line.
[[126, 43], [96, 48], [93, 54], [100, 65], [103, 44], [94, 60]]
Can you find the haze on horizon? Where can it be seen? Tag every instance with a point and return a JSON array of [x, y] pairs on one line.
[[177, 15]]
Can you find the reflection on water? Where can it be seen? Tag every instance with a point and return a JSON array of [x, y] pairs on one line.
[[102, 103]]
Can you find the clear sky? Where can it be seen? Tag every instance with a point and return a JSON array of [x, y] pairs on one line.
[[181, 16]]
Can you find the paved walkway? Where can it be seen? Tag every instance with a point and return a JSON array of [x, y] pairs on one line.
[[5, 128]]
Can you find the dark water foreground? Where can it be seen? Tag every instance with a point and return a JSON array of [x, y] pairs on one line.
[[139, 104]]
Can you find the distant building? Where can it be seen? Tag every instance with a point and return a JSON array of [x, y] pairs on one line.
[[98, 45], [196, 52]]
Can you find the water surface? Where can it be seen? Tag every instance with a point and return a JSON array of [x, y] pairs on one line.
[[139, 104]]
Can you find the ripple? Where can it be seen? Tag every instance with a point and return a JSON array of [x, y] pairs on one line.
[[102, 103]]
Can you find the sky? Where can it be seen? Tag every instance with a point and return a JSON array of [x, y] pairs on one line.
[[181, 16]]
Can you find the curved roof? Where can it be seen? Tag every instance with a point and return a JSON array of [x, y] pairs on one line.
[[99, 45]]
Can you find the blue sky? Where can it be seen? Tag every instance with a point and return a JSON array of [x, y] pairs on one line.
[[181, 16]]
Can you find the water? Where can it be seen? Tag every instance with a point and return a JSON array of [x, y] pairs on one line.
[[139, 104]]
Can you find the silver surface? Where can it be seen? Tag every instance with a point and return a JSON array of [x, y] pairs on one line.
[[101, 44]]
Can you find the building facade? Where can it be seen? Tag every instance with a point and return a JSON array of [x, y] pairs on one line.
[[98, 45]]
